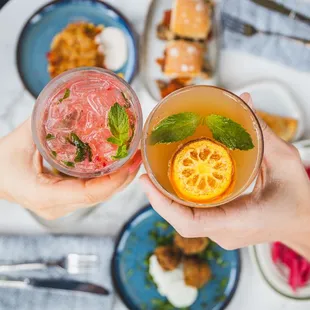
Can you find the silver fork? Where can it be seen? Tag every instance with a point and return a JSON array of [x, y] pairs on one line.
[[248, 30], [72, 264]]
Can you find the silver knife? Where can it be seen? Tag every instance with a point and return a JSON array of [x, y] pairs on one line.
[[59, 284], [274, 6]]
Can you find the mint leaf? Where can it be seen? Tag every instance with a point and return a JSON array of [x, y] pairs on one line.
[[175, 128], [66, 95], [69, 164], [228, 132], [82, 149], [114, 140], [121, 152], [119, 126], [54, 154], [49, 136], [119, 122]]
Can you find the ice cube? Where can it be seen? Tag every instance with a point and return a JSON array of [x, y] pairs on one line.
[[97, 104], [84, 87]]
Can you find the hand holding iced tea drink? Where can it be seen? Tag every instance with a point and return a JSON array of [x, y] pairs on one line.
[[202, 146], [87, 122]]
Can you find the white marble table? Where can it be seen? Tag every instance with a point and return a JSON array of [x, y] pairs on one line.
[[16, 105]]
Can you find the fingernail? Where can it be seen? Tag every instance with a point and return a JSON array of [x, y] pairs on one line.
[[136, 163]]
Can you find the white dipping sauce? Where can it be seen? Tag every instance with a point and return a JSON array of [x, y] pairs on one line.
[[171, 284], [113, 45]]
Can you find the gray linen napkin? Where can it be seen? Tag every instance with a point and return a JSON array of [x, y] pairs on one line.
[[24, 248], [279, 49]]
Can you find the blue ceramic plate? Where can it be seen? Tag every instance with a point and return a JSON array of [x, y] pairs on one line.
[[39, 31], [129, 270]]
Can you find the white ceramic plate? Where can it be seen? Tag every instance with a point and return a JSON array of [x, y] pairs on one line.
[[152, 48], [275, 98], [261, 253]]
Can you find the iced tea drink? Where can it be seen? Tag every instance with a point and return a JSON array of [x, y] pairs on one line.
[[202, 146], [87, 122]]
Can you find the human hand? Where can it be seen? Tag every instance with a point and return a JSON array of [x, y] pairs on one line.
[[25, 181], [277, 209]]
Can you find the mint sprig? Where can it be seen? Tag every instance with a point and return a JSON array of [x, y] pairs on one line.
[[83, 149], [119, 126], [175, 128], [178, 127]]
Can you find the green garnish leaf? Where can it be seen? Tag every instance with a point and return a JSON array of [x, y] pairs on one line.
[[54, 154], [121, 152], [114, 140], [66, 95], [228, 132], [119, 122], [175, 128], [83, 150], [223, 283], [162, 225], [161, 239], [49, 136], [119, 126], [69, 164]]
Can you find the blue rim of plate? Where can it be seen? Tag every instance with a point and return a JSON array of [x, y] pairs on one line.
[[110, 7], [117, 281]]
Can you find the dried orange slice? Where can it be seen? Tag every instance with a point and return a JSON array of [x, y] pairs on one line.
[[201, 171]]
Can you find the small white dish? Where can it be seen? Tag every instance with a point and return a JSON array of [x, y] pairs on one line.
[[275, 98], [261, 253]]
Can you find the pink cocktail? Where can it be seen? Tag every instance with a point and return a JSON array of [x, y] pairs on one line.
[[87, 122]]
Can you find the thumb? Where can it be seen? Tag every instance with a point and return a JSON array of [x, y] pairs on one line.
[[272, 143]]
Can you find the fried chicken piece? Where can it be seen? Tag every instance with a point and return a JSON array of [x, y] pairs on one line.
[[169, 257], [190, 246], [196, 273]]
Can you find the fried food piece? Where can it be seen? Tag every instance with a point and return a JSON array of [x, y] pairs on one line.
[[182, 59], [166, 88], [283, 127], [75, 46], [163, 29], [201, 171], [169, 257], [191, 19], [191, 246], [196, 272]]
